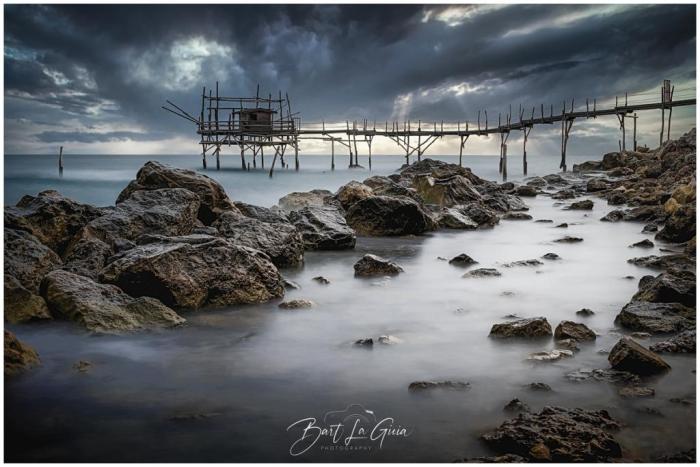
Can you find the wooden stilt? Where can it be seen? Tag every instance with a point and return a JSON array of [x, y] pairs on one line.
[[204, 156], [504, 151], [218, 163], [262, 157], [670, 112], [296, 155], [500, 156], [369, 149], [462, 140], [243, 166], [60, 160], [333, 154], [566, 128], [526, 133], [274, 159]]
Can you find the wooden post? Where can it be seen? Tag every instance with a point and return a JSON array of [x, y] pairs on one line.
[[504, 151], [243, 166], [296, 154], [419, 143], [526, 133], [60, 160], [461, 149], [274, 159], [369, 149], [566, 128], [332, 153], [670, 111], [500, 155], [204, 156], [262, 157], [218, 164], [634, 131]]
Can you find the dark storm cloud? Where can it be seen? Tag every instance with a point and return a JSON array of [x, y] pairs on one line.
[[116, 64]]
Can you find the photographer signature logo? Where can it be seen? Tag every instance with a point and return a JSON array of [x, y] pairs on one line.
[[352, 429]]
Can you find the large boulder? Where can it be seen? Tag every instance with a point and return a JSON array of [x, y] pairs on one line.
[[679, 226], [19, 357], [196, 271], [260, 213], [656, 318], [628, 355], [22, 305], [164, 211], [668, 287], [558, 434], [103, 308], [384, 215], [280, 241], [154, 175], [447, 191], [384, 186], [27, 259], [352, 192], [323, 227], [373, 265], [301, 199], [575, 331], [530, 327], [51, 217], [87, 255], [454, 218]]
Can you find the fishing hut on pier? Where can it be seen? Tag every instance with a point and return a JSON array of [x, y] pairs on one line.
[[250, 124]]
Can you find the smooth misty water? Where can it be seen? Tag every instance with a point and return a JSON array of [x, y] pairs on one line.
[[255, 370]]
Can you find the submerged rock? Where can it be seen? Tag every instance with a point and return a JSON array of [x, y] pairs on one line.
[[613, 216], [427, 385], [373, 265], [323, 228], [529, 327], [388, 340], [384, 215], [656, 317], [544, 387], [516, 216], [280, 241], [585, 312], [296, 304], [646, 243], [585, 205], [463, 259], [575, 331], [365, 342], [682, 343], [103, 308], [603, 375], [569, 239], [19, 357], [524, 262], [550, 356], [636, 391], [558, 434], [482, 272], [678, 287], [210, 194], [551, 256], [215, 272], [321, 280], [628, 355], [516, 405]]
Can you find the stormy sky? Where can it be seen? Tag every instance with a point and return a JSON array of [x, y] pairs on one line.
[[93, 78]]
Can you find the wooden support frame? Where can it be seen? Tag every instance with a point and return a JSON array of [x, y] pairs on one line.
[[526, 134]]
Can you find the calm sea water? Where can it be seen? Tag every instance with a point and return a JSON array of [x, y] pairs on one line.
[[228, 385]]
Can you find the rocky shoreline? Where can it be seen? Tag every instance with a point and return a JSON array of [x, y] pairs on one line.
[[175, 241]]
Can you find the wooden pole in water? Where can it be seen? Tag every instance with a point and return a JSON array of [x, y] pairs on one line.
[[204, 156], [262, 157], [634, 131], [218, 164], [332, 153], [670, 111], [242, 157], [461, 149], [274, 159], [504, 151], [60, 160], [369, 149], [663, 117], [526, 133]]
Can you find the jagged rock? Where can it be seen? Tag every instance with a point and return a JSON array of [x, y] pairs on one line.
[[103, 308], [453, 218], [585, 312], [530, 327], [596, 184], [646, 243], [516, 216], [612, 160], [585, 205], [27, 259], [51, 217], [613, 216], [559, 435], [656, 317], [482, 215], [524, 262], [636, 391], [321, 280], [668, 288], [575, 331], [563, 225], [165, 211], [271, 216], [482, 272], [544, 387], [426, 385], [296, 304], [365, 342], [352, 192], [290, 284], [298, 200], [682, 343], [215, 272], [650, 228], [388, 340], [567, 344], [526, 190], [554, 179], [384, 215], [210, 194], [280, 241], [568, 239], [678, 261], [603, 375], [384, 186], [516, 405], [628, 355], [588, 166], [551, 256], [446, 191], [616, 198], [679, 226], [19, 357], [683, 457], [21, 305], [463, 259], [87, 255], [503, 202], [373, 265], [323, 228]]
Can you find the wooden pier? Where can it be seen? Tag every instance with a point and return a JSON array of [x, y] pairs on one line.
[[255, 123]]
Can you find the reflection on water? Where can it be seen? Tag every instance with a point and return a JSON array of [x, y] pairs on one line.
[[226, 386]]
